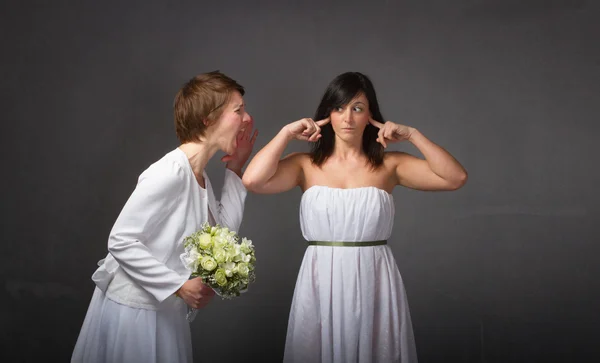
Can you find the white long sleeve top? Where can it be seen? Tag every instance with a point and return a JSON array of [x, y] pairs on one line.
[[143, 267]]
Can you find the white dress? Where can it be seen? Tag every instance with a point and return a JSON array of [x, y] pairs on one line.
[[133, 315], [349, 303]]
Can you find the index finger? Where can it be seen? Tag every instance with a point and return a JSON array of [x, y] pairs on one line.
[[375, 123], [323, 122]]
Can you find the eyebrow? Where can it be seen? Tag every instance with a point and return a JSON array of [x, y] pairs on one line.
[[239, 105], [357, 102]]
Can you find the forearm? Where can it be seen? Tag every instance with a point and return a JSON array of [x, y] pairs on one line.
[[264, 164], [143, 268], [440, 161], [234, 168]]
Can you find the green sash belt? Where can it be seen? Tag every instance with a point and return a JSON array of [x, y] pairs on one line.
[[347, 244]]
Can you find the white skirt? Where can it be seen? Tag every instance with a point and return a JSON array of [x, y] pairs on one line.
[[349, 306], [115, 333]]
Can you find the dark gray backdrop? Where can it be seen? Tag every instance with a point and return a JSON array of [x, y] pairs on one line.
[[503, 270]]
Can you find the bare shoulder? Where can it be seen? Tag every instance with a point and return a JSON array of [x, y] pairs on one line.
[[295, 163]]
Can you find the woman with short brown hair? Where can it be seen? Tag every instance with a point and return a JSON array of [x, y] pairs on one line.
[[143, 291]]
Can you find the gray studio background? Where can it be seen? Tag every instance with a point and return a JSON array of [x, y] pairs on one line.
[[503, 270]]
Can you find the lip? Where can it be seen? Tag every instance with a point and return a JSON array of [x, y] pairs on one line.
[[347, 128]]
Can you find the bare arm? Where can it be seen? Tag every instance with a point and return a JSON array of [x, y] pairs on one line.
[[439, 162], [267, 173], [439, 171]]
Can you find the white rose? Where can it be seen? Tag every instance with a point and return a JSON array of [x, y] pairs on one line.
[[220, 277], [205, 241], [242, 269], [220, 255], [208, 263]]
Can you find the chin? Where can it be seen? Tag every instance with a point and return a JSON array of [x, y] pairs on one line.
[[349, 138], [231, 149]]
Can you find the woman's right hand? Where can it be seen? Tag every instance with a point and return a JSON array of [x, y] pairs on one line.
[[195, 293], [306, 129]]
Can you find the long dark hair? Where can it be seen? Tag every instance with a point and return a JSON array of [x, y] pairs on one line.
[[339, 92]]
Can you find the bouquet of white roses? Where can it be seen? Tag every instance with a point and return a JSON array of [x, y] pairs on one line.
[[216, 254]]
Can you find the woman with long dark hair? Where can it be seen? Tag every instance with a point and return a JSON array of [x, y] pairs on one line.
[[349, 303]]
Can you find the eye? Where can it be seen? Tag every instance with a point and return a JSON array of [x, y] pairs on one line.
[[358, 109]]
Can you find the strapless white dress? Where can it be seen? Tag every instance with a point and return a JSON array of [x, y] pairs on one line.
[[349, 303]]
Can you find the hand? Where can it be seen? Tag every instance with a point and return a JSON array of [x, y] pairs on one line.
[[195, 293], [391, 132], [245, 143], [306, 129]]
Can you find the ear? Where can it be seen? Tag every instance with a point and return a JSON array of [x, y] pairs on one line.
[[208, 122]]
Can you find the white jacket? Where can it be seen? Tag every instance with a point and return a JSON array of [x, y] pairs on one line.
[[143, 267]]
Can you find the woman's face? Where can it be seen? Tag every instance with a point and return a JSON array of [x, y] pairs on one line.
[[232, 121], [349, 121]]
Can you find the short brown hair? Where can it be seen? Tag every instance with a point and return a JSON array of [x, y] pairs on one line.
[[201, 98]]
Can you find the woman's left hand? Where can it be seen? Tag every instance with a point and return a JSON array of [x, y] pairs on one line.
[[245, 143], [391, 132]]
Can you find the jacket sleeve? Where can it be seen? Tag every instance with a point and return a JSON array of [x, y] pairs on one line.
[[231, 205], [154, 198]]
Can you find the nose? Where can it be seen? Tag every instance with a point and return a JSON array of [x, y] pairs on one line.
[[347, 115], [247, 118]]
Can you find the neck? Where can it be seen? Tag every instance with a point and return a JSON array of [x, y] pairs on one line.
[[345, 150], [198, 154]]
